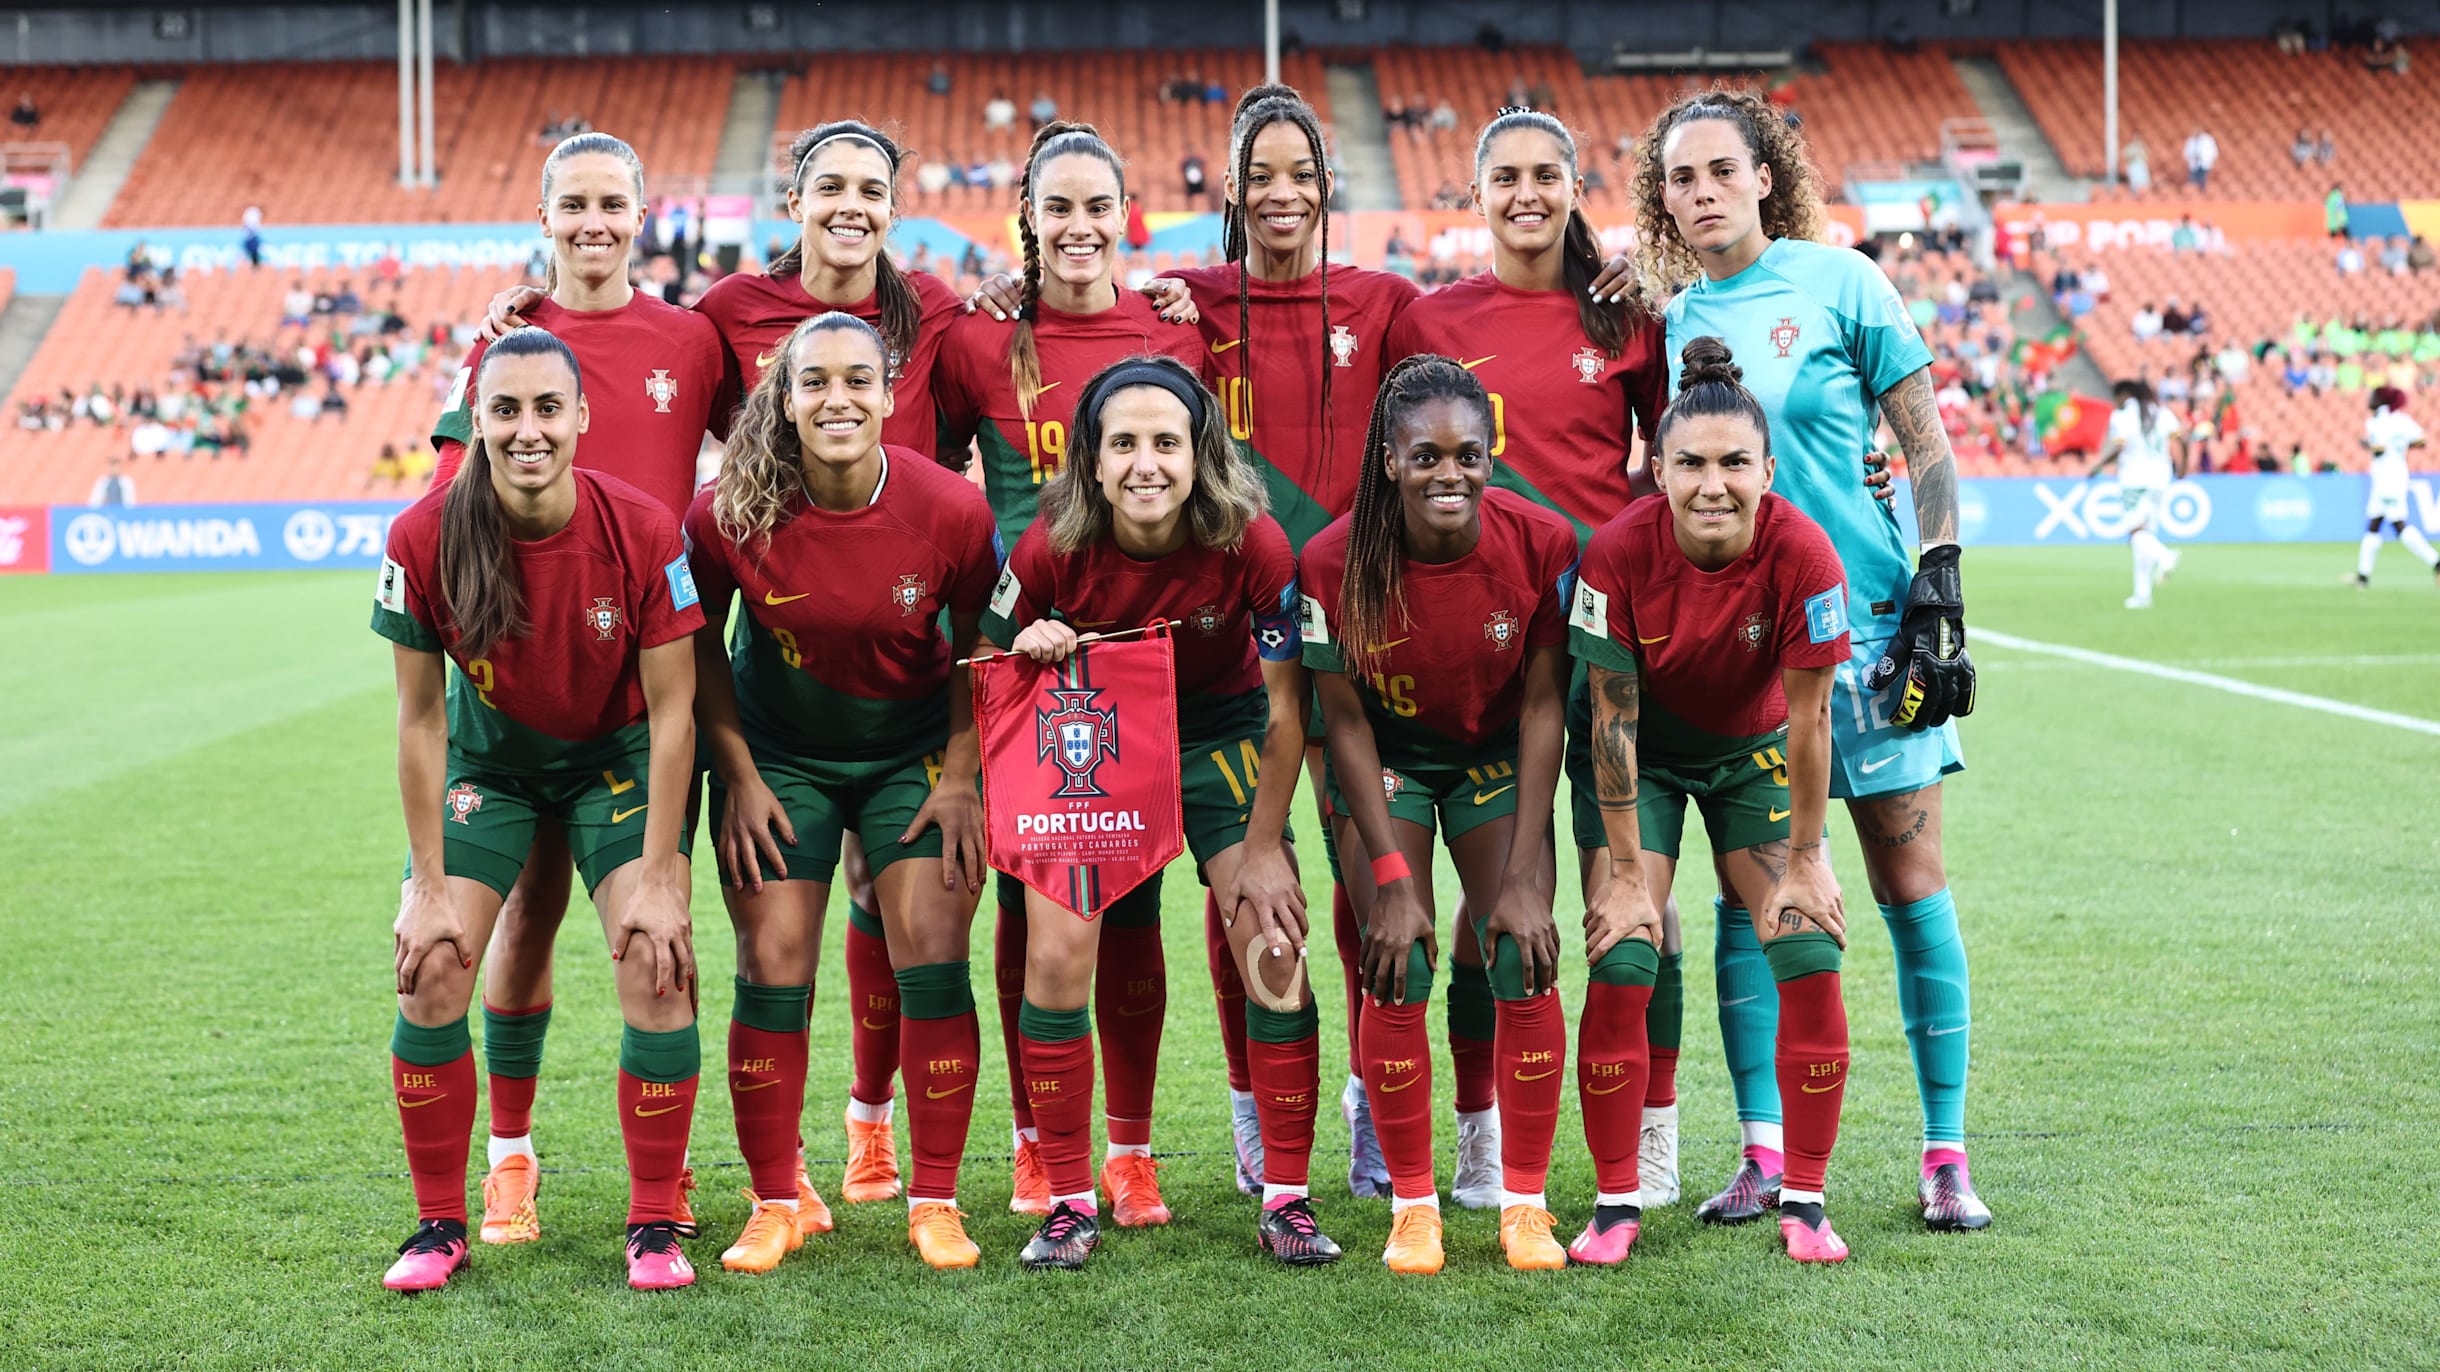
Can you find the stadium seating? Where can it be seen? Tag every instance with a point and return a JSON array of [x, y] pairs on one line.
[[2253, 296], [95, 340], [1867, 104], [76, 103], [1118, 92], [314, 142], [2252, 98]]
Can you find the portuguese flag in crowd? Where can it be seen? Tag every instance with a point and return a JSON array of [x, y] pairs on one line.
[[2069, 422], [2038, 356]]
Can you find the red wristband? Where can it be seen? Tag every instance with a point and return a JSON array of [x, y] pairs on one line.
[[1390, 868]]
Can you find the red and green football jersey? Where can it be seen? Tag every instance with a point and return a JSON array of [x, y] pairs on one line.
[[754, 312], [1711, 645], [1451, 682], [840, 657], [978, 397], [655, 378], [562, 696], [1268, 375], [1237, 606], [1564, 414]]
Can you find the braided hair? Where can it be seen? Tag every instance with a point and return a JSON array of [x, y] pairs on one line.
[[1372, 589], [1580, 252], [1057, 138], [901, 310], [1258, 109]]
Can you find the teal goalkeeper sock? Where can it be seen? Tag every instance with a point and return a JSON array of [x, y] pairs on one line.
[[1935, 1008], [1749, 1013]]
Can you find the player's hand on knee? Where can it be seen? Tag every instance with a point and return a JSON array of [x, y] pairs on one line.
[[959, 813], [1527, 921], [753, 825], [1928, 655], [655, 925], [427, 921], [1621, 909], [1807, 897], [1398, 922]]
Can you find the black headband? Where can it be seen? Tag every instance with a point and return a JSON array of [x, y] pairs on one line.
[[1171, 379]]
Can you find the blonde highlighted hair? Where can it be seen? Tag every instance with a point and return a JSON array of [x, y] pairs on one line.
[[1228, 494]]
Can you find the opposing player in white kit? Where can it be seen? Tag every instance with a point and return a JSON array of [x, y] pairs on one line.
[[2390, 433], [2139, 442]]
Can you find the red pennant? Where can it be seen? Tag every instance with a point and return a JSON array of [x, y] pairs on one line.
[[1080, 768]]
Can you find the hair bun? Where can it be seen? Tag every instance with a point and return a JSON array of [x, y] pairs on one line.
[[1707, 359]]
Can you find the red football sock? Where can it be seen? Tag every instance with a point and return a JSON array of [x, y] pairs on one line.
[[1474, 1063], [1661, 1087], [1611, 1062], [943, 1059], [654, 1118], [1812, 1062], [1344, 931], [1228, 989], [1008, 974], [511, 1098], [436, 1113], [1130, 1002], [1398, 1078], [767, 1092], [1287, 1087], [1059, 1077], [1531, 1051], [872, 989]]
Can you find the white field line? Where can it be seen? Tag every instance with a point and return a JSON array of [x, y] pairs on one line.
[[2333, 660], [2231, 685]]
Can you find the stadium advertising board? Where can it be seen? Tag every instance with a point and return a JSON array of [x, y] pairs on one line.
[[25, 539], [220, 538], [2150, 225], [2048, 512]]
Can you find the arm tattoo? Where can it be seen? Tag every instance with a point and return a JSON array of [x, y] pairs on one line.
[[1614, 739], [1914, 415]]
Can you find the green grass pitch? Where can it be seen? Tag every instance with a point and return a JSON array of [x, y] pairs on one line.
[[2202, 939]]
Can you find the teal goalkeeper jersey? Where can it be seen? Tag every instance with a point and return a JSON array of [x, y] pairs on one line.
[[1820, 333]]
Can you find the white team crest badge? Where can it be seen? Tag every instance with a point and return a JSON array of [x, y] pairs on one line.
[[1501, 629], [908, 594], [662, 387], [1587, 362], [1207, 620], [1755, 631], [1342, 345], [1783, 335], [463, 800], [605, 617]]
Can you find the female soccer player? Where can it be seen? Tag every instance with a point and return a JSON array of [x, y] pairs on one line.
[[838, 709], [659, 378], [2391, 434], [1159, 519], [1712, 622], [2141, 436], [1572, 378], [843, 194], [1453, 714], [1729, 215], [1013, 383], [564, 599]]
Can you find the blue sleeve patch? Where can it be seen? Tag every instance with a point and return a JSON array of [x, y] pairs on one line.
[[1278, 636], [1826, 615], [681, 584], [1567, 587]]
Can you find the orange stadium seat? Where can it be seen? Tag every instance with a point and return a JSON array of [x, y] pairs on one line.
[[310, 143], [76, 103], [2252, 98], [1116, 92], [2250, 296], [95, 340]]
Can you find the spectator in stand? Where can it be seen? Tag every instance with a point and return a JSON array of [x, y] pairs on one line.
[[385, 467], [2097, 282], [2065, 282], [1191, 170], [2393, 255], [2198, 321], [1043, 110], [27, 117], [999, 112], [2202, 154], [2327, 153], [938, 82], [2419, 257], [2293, 373], [2334, 212], [2322, 374], [116, 489], [2183, 238], [1448, 197], [932, 177], [1000, 173], [1444, 115], [2146, 323], [2135, 161], [2289, 35], [250, 235], [2173, 319], [2350, 259], [2301, 151]]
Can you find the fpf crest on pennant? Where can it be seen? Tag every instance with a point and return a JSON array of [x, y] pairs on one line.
[[1078, 737]]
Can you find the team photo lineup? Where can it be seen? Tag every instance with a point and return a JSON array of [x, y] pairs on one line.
[[948, 571], [1414, 611]]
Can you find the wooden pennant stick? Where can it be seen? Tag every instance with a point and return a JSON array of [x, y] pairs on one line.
[[1081, 640]]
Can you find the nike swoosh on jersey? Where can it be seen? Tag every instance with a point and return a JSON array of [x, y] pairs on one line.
[[1046, 388], [775, 598], [1219, 348], [1485, 798], [1385, 647], [1868, 768], [622, 816], [1470, 366], [1647, 641]]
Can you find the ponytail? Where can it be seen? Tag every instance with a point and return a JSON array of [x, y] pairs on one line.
[[479, 582], [578, 145], [901, 311], [1604, 324], [1372, 588], [1056, 138]]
